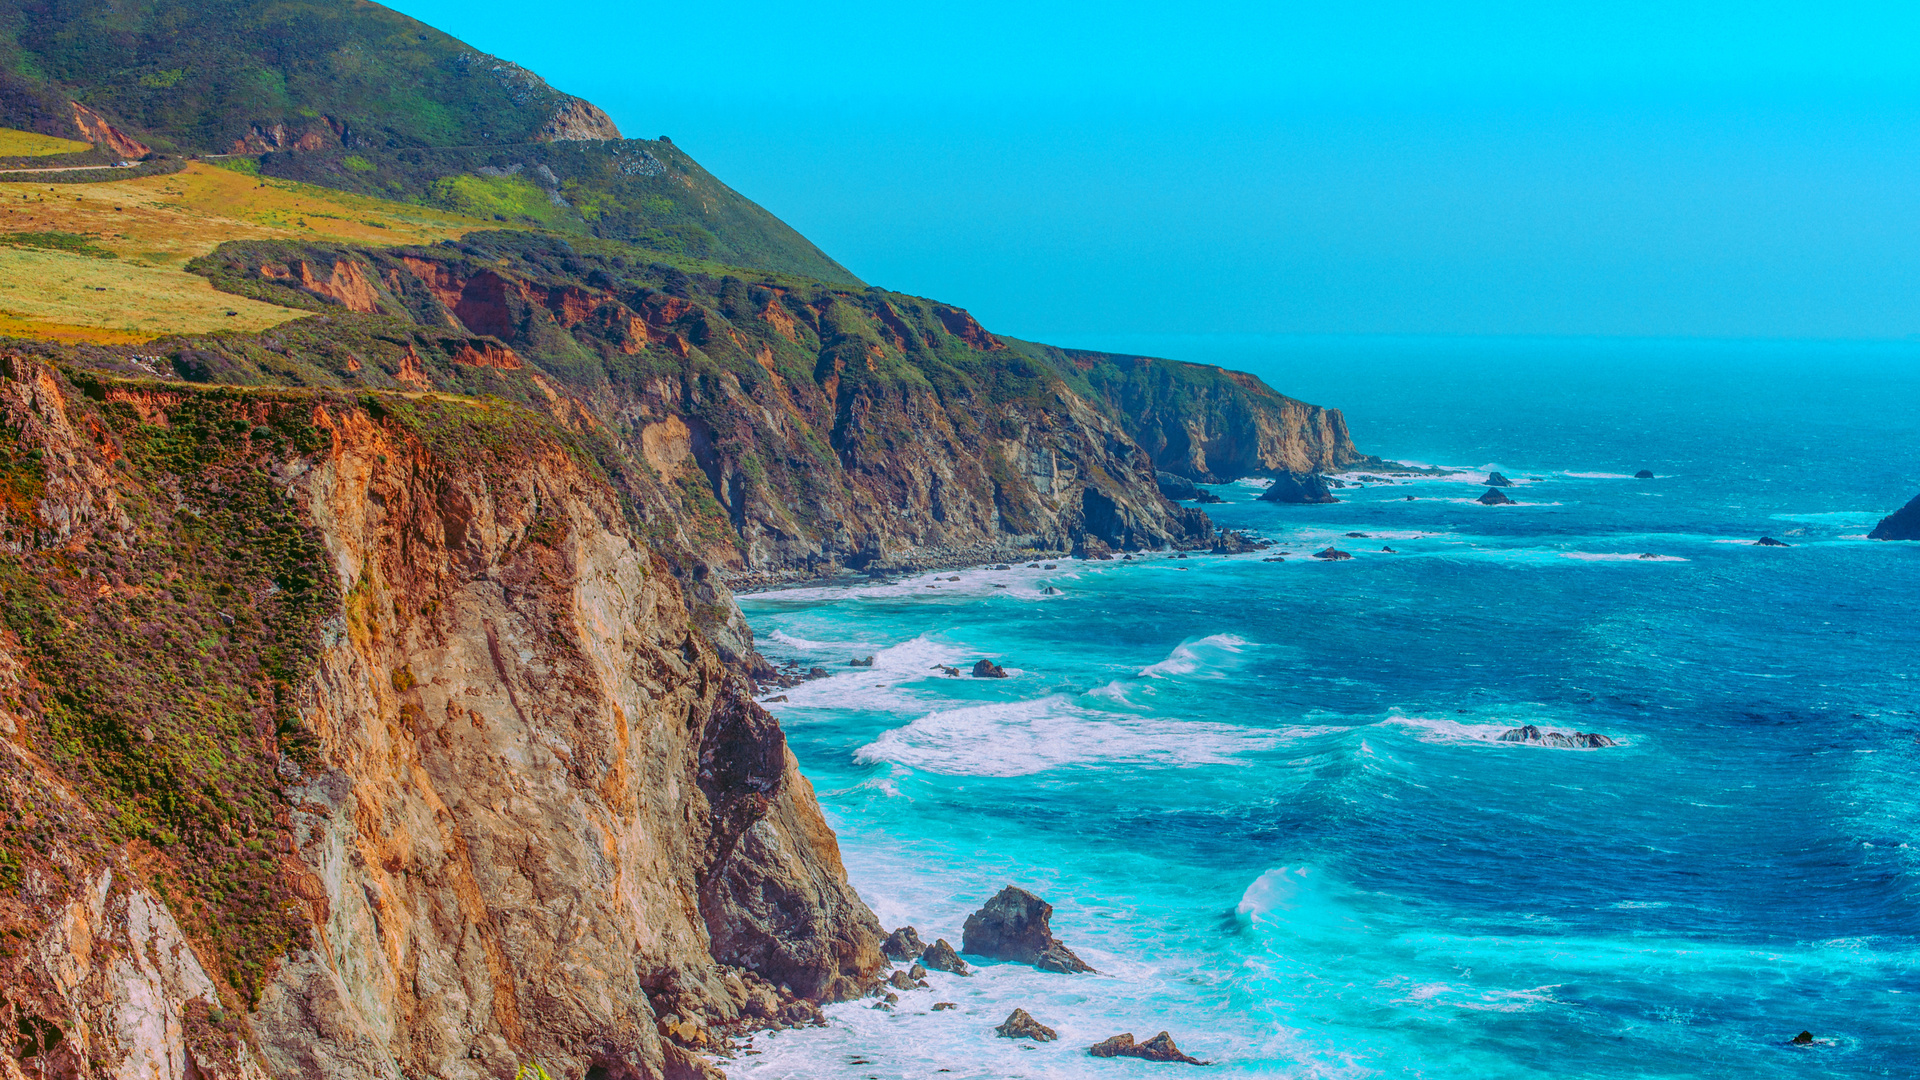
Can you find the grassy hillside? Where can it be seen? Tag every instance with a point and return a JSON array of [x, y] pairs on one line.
[[105, 262], [351, 95], [204, 75]]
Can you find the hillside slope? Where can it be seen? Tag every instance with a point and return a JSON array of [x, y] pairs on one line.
[[353, 95]]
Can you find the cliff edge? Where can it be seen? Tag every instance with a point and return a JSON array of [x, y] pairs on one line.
[[362, 736]]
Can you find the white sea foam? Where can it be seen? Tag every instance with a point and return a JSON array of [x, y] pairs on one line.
[[1619, 556], [1019, 738], [1208, 657], [806, 644], [879, 687], [1445, 730]]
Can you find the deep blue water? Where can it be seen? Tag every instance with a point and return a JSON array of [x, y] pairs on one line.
[[1267, 799]]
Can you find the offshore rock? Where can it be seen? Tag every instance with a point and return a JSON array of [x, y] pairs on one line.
[[940, 956], [987, 669], [1494, 497], [1299, 488], [1020, 1025], [1159, 1048], [1902, 524], [1768, 541], [1578, 740], [1331, 554], [1643, 474], [1495, 479], [1015, 925]]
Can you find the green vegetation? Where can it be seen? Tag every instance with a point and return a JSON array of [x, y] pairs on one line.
[[58, 241], [161, 672], [201, 75], [364, 99]]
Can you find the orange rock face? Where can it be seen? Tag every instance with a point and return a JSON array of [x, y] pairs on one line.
[[104, 135]]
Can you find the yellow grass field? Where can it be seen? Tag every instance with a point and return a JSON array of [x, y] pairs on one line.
[[31, 144], [62, 296], [155, 224]]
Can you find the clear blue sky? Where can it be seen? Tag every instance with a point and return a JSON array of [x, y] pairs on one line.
[[1712, 169]]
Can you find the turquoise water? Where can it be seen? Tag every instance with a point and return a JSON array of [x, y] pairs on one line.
[[1267, 800]]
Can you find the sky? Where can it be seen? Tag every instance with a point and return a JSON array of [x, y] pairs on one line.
[[1075, 171]]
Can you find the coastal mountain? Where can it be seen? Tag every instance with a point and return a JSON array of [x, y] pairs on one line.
[[373, 700], [355, 96]]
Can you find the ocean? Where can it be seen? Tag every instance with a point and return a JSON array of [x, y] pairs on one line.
[[1268, 800]]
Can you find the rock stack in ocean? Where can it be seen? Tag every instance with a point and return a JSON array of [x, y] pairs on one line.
[[987, 669], [1494, 497], [1158, 1048], [1585, 740], [1768, 541], [1014, 925], [1021, 1025], [940, 957], [1902, 524], [1331, 554], [1494, 479], [1293, 487], [1643, 474], [903, 945]]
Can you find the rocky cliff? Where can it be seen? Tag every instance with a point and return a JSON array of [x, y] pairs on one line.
[[1213, 425], [1902, 524], [364, 736], [789, 426]]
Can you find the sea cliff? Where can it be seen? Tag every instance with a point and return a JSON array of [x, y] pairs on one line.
[[364, 737]]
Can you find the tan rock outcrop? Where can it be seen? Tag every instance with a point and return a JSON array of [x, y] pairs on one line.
[[526, 812]]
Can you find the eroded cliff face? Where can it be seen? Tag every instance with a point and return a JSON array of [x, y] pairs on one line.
[[777, 427], [1213, 425], [450, 781]]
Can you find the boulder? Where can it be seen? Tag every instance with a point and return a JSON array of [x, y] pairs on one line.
[[916, 972], [1409, 498], [1158, 1048], [1494, 497], [1015, 925], [946, 670], [1389, 551], [903, 945], [1581, 740], [1230, 542], [1061, 960], [1293, 487], [987, 669], [1050, 591], [940, 956], [1020, 1025], [1358, 536], [900, 980], [862, 662], [1331, 554], [1768, 541], [1902, 524], [1494, 479], [1174, 487], [1205, 496], [943, 1006], [1805, 1038], [1643, 474]]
